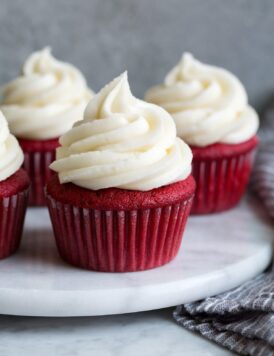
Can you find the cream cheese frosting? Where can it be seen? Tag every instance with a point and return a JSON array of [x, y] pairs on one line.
[[122, 142], [46, 99], [11, 155], [208, 104]]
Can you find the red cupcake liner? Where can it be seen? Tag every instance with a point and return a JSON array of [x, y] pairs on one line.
[[12, 215], [39, 154], [118, 240], [221, 182], [37, 166]]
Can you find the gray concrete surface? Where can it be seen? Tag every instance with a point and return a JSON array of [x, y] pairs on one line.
[[147, 37]]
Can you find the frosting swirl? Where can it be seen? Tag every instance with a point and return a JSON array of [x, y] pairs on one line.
[[11, 155], [46, 99], [208, 104], [122, 142]]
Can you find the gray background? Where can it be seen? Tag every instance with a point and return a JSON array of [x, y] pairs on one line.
[[147, 37]]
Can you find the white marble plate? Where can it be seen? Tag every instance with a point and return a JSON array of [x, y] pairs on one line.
[[218, 252]]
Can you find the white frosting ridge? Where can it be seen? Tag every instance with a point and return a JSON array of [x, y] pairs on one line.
[[122, 142], [11, 155], [46, 99], [208, 104]]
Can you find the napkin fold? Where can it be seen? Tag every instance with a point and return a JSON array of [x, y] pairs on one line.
[[242, 319]]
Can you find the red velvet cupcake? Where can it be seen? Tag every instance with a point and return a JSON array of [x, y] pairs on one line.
[[120, 201], [210, 108], [14, 186], [40, 105]]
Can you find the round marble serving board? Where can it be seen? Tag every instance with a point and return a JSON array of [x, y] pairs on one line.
[[218, 252]]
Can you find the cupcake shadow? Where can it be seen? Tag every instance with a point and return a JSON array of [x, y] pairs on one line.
[[38, 250]]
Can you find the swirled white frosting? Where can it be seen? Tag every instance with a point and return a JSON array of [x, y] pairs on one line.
[[208, 104], [46, 99], [11, 155], [122, 142]]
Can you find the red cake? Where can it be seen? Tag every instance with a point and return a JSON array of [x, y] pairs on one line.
[[120, 199], [16, 183], [13, 203], [222, 172], [117, 230], [38, 155]]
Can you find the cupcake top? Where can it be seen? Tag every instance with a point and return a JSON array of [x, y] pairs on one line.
[[11, 155], [208, 104], [122, 142], [46, 99]]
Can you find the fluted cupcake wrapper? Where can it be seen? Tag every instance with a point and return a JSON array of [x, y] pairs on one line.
[[220, 183], [12, 215], [37, 166], [118, 241]]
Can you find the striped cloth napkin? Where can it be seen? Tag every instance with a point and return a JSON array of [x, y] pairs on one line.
[[242, 319]]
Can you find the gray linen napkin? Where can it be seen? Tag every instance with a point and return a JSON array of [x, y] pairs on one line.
[[242, 319]]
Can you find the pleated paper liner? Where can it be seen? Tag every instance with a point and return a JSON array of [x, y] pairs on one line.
[[37, 166], [221, 182], [38, 156], [12, 215], [118, 240]]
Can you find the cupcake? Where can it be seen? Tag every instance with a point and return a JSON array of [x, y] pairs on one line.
[[40, 105], [124, 190], [210, 108], [14, 186]]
